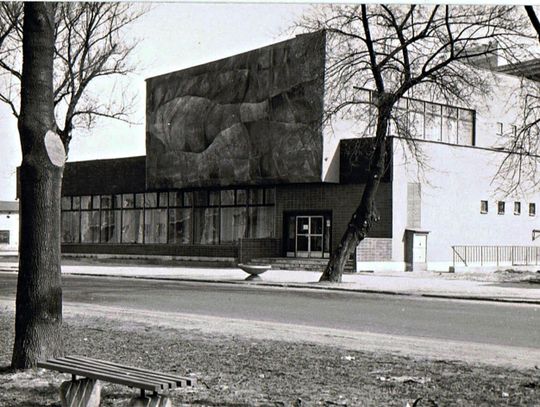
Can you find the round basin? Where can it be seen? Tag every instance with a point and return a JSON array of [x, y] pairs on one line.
[[254, 269]]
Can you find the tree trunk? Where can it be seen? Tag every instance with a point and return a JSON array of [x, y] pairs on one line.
[[365, 215], [38, 318]]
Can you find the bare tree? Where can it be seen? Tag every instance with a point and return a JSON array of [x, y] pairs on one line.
[[393, 51], [51, 55]]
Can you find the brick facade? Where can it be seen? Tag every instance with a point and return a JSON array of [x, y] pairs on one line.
[[374, 249], [339, 200]]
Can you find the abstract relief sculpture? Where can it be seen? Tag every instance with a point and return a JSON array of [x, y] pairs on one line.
[[253, 118]]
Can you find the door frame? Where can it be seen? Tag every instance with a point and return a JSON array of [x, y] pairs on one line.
[[326, 215]]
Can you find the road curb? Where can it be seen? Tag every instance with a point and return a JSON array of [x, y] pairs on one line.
[[323, 287]]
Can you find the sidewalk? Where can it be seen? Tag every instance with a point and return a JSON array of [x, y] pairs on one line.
[[428, 284]]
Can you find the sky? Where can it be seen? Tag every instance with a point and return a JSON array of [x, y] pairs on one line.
[[170, 36]]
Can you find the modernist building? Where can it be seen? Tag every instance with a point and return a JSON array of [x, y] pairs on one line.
[[239, 166], [9, 226]]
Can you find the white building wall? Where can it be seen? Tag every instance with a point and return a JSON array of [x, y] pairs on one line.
[[10, 222], [454, 182]]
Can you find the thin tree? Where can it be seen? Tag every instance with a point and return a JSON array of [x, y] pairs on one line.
[[66, 48], [393, 51]]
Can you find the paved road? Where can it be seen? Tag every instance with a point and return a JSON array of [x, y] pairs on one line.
[[469, 321]]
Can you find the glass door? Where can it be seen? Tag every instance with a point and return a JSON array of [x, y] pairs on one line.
[[309, 236]]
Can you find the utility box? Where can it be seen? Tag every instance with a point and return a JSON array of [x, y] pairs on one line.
[[416, 249]]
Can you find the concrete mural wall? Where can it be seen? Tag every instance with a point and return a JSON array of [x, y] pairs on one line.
[[248, 119]]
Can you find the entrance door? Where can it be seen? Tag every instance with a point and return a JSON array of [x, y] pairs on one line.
[[309, 236]]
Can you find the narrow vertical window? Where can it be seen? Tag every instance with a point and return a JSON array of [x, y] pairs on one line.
[[483, 206], [500, 207], [517, 208], [532, 209], [500, 129]]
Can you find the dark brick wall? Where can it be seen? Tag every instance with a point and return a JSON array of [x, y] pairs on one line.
[[104, 176], [150, 249], [340, 200], [258, 248]]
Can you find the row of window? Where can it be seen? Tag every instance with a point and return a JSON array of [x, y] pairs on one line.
[[430, 121], [175, 199], [501, 208], [169, 221]]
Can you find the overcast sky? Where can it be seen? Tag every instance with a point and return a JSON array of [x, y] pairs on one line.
[[172, 36]]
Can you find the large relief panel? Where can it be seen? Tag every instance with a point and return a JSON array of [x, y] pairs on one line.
[[249, 119]]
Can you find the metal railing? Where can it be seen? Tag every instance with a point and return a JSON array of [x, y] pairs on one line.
[[495, 255]]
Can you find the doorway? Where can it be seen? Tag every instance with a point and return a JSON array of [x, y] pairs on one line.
[[308, 235]]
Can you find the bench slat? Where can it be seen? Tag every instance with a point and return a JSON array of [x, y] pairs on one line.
[[53, 364], [189, 381], [95, 364]]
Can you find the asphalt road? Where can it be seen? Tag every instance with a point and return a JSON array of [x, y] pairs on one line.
[[468, 321]]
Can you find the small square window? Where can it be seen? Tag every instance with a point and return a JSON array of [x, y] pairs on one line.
[[150, 199], [500, 129], [532, 209], [163, 199], [213, 198], [517, 208], [500, 207], [483, 206], [175, 198], [106, 202], [76, 202], [227, 197], [86, 202], [4, 236], [96, 201], [128, 201], [66, 203]]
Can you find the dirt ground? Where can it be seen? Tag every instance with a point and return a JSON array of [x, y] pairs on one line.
[[235, 370]]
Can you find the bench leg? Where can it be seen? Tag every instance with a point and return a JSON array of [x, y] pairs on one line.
[[157, 400], [80, 393]]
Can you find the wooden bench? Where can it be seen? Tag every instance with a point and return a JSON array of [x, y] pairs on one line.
[[83, 393]]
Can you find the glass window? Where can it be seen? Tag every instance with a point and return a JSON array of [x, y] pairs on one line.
[[188, 199], [416, 118], [128, 201], [256, 196], [111, 225], [163, 199], [532, 209], [139, 200], [261, 222], [86, 202], [483, 206], [227, 197], [200, 198], [180, 226], [90, 227], [270, 196], [96, 202], [241, 197], [213, 198], [450, 125], [70, 227], [150, 200], [500, 207], [465, 133], [517, 208], [117, 201], [233, 224], [4, 236], [500, 129], [175, 198], [433, 122], [206, 225], [155, 226], [76, 202], [132, 226], [106, 202], [66, 203]]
